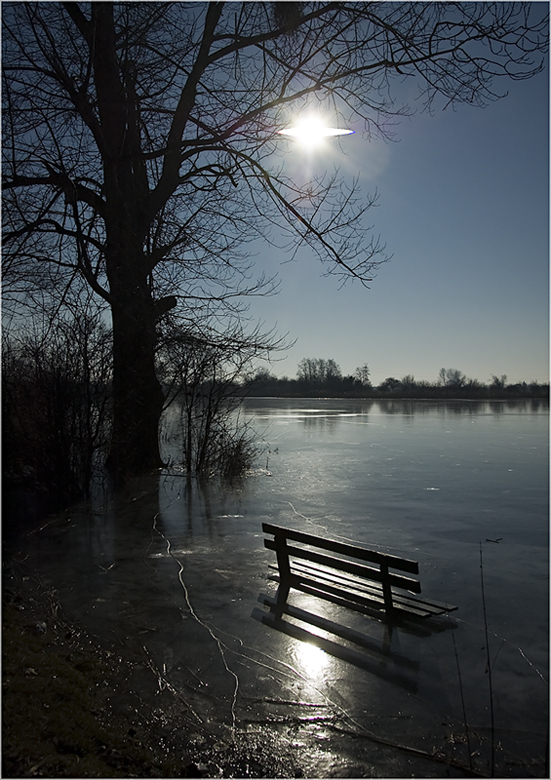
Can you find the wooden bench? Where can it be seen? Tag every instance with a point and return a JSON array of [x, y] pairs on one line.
[[361, 579]]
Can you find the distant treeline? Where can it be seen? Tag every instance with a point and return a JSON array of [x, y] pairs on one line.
[[319, 377]]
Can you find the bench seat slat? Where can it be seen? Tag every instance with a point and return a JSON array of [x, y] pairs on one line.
[[353, 602], [374, 599], [362, 587], [370, 596], [373, 594], [438, 606], [370, 610]]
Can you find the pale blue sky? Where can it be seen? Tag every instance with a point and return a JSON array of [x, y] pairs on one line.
[[464, 209]]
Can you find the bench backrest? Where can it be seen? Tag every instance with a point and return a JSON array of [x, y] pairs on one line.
[[352, 559]]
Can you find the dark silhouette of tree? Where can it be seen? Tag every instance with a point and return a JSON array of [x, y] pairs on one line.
[[318, 371], [390, 385], [204, 373], [451, 378], [331, 371], [307, 371], [141, 150], [55, 407], [361, 375], [498, 382], [263, 383], [408, 382]]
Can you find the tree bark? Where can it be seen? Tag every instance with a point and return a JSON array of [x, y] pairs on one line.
[[137, 393]]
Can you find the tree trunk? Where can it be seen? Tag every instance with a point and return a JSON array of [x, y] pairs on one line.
[[137, 393]]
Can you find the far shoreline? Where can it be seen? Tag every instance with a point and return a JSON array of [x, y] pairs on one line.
[[351, 397]]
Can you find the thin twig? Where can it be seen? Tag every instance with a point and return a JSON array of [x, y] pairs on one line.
[[488, 662]]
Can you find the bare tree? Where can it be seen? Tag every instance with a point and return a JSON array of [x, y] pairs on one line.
[[451, 377], [498, 382], [361, 375], [203, 374], [55, 405], [141, 149], [307, 370], [318, 371]]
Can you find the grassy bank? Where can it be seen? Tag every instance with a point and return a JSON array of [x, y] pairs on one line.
[[57, 721], [66, 712]]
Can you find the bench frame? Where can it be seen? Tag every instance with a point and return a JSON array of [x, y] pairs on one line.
[[350, 579]]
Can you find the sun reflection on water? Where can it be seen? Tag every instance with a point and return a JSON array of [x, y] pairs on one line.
[[312, 660]]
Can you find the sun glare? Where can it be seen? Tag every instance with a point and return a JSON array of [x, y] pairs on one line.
[[312, 132], [312, 659]]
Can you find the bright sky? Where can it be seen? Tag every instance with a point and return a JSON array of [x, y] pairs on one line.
[[464, 210]]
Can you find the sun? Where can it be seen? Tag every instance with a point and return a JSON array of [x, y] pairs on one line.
[[312, 132]]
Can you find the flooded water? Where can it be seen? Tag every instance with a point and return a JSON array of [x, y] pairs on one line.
[[172, 575]]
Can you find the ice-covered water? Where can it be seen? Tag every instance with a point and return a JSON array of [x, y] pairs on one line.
[[171, 572]]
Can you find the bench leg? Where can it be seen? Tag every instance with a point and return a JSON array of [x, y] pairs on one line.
[[387, 592], [284, 573], [391, 641], [281, 600]]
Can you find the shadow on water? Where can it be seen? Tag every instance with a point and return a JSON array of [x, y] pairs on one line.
[[381, 658]]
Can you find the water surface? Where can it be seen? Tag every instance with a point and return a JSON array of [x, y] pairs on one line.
[[171, 572]]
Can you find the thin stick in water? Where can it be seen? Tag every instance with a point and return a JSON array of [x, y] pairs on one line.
[[488, 661]]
